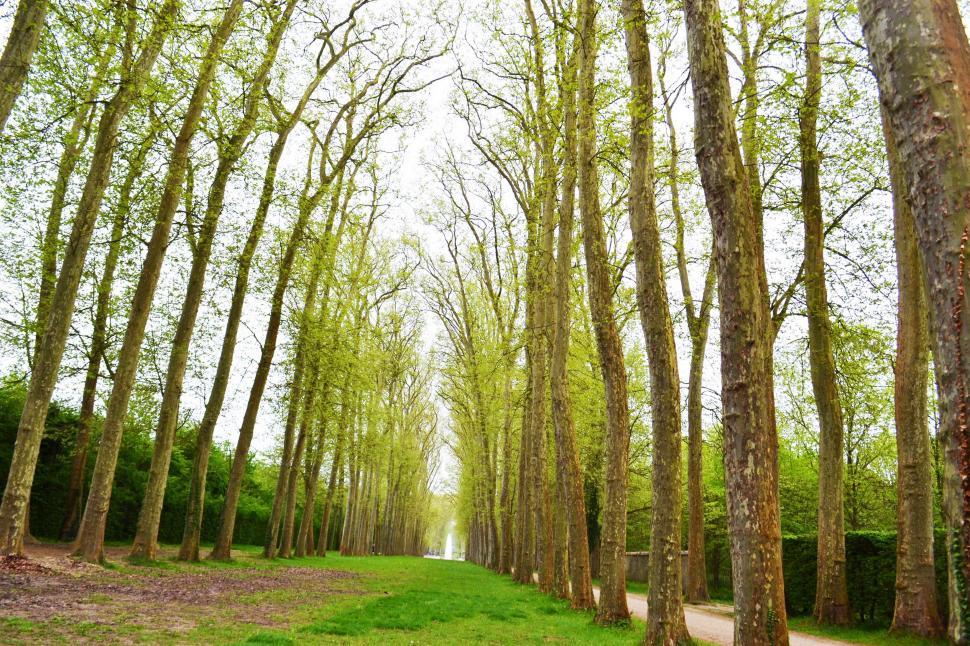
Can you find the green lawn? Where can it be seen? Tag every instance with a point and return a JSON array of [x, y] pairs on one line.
[[392, 600], [871, 635]]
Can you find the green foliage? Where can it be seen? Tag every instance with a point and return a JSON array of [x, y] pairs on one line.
[[871, 570], [49, 492]]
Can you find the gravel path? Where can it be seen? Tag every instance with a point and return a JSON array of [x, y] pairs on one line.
[[714, 626]]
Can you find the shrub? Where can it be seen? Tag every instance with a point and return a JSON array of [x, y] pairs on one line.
[[870, 570]]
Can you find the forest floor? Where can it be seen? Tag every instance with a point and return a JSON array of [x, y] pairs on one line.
[[52, 598]]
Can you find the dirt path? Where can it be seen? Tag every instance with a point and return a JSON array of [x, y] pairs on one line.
[[716, 627]]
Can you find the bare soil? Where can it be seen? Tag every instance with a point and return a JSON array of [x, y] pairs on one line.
[[50, 586]]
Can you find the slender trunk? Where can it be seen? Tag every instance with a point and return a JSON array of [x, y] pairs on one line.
[[189, 550], [569, 472], [28, 25], [698, 323], [751, 439], [305, 535], [921, 58], [916, 611], [831, 592], [48, 356], [90, 540], [74, 143], [542, 266], [505, 496], [145, 544], [99, 336], [612, 602], [335, 470], [665, 610]]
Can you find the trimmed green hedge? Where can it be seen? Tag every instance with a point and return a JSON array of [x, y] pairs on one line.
[[49, 492], [870, 569]]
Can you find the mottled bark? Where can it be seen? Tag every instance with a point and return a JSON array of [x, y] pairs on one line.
[[665, 609], [542, 266], [698, 325], [74, 143], [917, 610], [612, 603], [90, 539], [189, 548], [25, 33], [750, 436], [99, 334], [921, 59], [48, 356], [831, 592], [569, 473]]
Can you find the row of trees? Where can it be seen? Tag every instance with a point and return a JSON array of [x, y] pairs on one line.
[[547, 465], [178, 95]]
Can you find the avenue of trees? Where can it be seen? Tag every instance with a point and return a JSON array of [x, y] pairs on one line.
[[694, 272]]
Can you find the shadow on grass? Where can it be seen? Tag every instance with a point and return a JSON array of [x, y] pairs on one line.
[[414, 610]]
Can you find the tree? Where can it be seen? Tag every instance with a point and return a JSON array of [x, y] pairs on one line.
[[89, 543], [665, 612], [136, 71], [612, 602], [921, 59], [832, 595], [751, 441], [145, 543], [568, 469], [916, 609], [28, 25]]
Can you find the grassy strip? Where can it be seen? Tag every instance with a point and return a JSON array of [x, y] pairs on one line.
[[871, 635]]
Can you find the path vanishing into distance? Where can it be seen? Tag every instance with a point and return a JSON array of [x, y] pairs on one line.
[[715, 625]]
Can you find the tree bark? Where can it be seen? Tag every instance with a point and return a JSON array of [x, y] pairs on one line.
[[569, 472], [73, 507], [665, 610], [74, 143], [145, 544], [831, 592], [90, 540], [612, 603], [751, 440], [28, 25], [921, 58], [916, 609], [48, 356], [698, 324]]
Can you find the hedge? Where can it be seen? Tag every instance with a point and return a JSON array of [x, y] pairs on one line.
[[870, 570]]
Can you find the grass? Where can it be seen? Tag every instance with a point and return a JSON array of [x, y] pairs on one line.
[[394, 600], [862, 634]]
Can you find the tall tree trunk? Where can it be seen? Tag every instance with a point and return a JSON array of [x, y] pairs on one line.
[[831, 592], [73, 507], [90, 540], [335, 471], [28, 25], [48, 356], [74, 143], [612, 602], [222, 548], [146, 536], [665, 610], [916, 610], [546, 194], [698, 324], [569, 473], [921, 58], [506, 495], [751, 439]]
